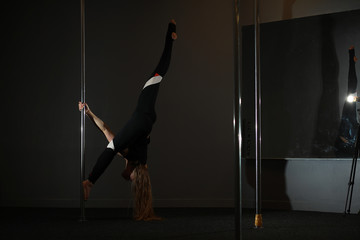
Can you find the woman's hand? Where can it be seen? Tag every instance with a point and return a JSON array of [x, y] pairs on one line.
[[82, 105], [97, 121]]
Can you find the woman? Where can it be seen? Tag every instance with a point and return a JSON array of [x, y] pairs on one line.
[[132, 140]]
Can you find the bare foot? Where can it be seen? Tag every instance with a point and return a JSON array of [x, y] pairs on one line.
[[351, 48], [87, 185], [173, 35]]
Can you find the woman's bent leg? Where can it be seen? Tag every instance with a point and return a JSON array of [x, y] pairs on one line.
[[102, 163]]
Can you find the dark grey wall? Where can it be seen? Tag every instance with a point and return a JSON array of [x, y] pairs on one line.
[[191, 153], [39, 86], [277, 10]]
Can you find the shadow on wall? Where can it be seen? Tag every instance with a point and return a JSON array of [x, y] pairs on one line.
[[327, 117], [273, 184]]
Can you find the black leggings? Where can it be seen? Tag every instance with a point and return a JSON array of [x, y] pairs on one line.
[[134, 135]]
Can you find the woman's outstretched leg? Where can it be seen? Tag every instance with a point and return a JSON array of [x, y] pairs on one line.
[[163, 65], [352, 79], [147, 98]]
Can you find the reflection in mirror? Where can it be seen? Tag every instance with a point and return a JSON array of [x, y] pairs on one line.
[[305, 73], [308, 70]]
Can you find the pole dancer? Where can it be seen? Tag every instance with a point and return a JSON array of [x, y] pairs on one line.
[[132, 140]]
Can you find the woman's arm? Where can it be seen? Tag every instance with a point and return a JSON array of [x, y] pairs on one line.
[[98, 122]]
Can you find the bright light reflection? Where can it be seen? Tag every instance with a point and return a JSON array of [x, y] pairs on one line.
[[351, 98]]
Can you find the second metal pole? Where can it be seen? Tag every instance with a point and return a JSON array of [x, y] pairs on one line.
[[237, 123], [258, 216]]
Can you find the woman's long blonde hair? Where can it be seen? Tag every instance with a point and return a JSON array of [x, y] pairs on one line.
[[141, 188]]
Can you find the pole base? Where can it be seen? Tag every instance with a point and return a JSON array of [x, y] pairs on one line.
[[82, 219], [258, 221]]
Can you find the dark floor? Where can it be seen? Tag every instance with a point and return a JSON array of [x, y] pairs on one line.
[[178, 223]]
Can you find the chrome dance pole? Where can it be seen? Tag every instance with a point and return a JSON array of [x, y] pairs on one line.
[[258, 216], [237, 122], [82, 141]]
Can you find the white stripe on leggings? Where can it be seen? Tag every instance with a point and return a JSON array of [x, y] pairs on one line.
[[111, 145], [153, 80]]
